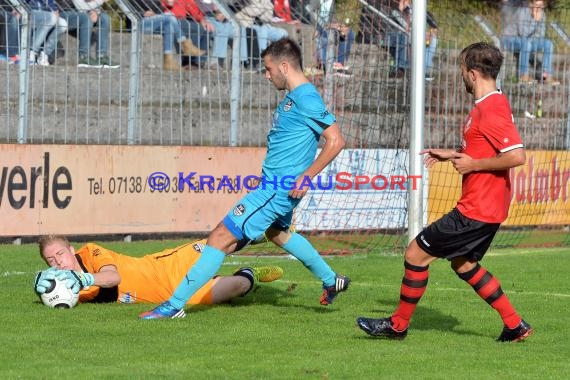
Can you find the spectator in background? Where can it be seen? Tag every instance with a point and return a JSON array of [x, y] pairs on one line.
[[9, 33], [343, 39], [46, 26], [80, 22], [194, 25], [224, 32], [258, 15], [525, 32], [301, 11], [83, 16], [321, 14], [431, 44], [398, 41], [155, 21], [282, 10], [254, 15]]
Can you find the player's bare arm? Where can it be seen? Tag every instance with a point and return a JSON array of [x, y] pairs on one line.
[[436, 155], [107, 277], [334, 142], [465, 164]]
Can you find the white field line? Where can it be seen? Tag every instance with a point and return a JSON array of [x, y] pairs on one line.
[[13, 273], [466, 290]]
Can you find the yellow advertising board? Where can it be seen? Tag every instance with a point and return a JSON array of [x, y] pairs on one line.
[[96, 189], [540, 190]]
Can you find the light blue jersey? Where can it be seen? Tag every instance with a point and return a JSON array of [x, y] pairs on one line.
[[298, 123], [292, 142]]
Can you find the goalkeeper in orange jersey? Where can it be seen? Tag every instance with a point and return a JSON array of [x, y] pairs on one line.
[[101, 275]]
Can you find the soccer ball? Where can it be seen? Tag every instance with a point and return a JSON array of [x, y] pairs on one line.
[[59, 296]]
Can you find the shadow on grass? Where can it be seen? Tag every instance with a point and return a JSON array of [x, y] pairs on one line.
[[424, 319], [271, 295], [259, 295]]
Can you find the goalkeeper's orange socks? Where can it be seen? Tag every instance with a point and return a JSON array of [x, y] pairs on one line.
[[302, 249], [203, 270], [489, 288], [412, 289]]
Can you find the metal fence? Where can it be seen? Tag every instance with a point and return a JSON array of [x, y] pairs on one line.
[[231, 104], [138, 103]]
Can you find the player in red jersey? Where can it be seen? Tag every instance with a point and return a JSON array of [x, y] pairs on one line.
[[491, 146]]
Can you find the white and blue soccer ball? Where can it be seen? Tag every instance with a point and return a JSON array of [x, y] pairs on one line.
[[59, 296]]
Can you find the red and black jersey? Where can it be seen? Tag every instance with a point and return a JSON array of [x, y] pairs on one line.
[[488, 131]]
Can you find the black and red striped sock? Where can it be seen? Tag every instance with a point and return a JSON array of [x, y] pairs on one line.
[[413, 287], [489, 289]]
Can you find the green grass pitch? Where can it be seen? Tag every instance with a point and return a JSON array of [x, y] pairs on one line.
[[279, 330]]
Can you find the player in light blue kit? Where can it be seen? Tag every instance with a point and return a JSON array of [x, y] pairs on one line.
[[298, 123]]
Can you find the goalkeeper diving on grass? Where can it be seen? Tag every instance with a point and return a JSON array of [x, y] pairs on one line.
[[101, 275], [299, 122]]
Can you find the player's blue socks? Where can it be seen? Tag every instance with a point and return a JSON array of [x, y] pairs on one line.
[[300, 247], [203, 270]]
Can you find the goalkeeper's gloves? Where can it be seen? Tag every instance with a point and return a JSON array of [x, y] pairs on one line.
[[42, 281], [75, 280]]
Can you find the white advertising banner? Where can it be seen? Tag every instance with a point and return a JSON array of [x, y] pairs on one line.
[[360, 189]]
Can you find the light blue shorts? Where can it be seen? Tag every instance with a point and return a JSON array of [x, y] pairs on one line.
[[257, 211]]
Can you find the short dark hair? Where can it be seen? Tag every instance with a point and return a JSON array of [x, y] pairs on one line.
[[287, 49], [483, 57]]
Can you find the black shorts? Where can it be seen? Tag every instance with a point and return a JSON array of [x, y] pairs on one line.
[[456, 235]]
